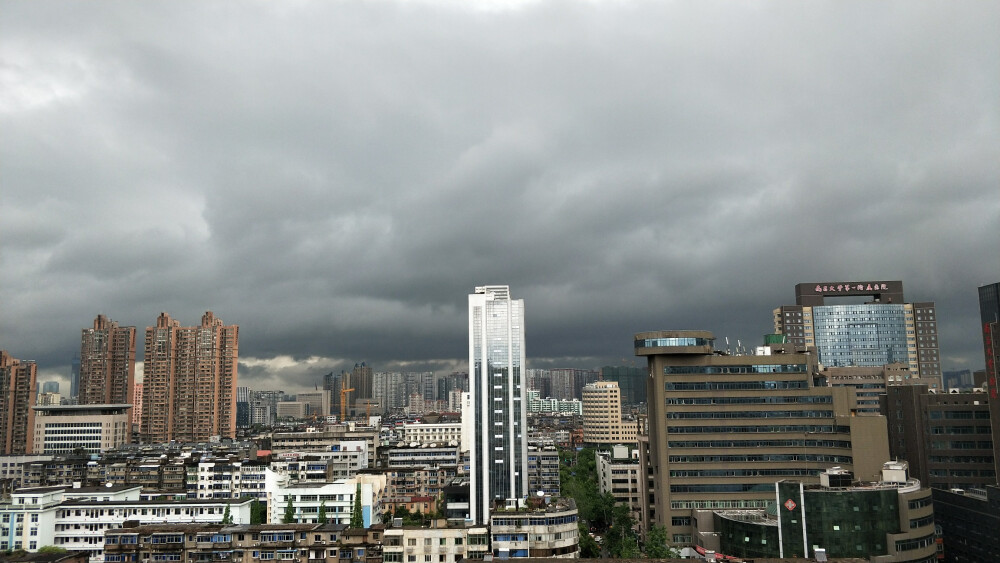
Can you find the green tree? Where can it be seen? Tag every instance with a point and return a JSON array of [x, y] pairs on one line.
[[51, 549], [357, 521], [227, 516], [621, 539], [322, 512], [589, 548], [289, 517], [656, 544], [258, 512]]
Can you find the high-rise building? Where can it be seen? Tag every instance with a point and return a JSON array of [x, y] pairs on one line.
[[361, 381], [74, 378], [50, 387], [723, 428], [883, 330], [499, 432], [989, 315], [189, 381], [602, 415], [18, 387], [107, 363], [945, 437]]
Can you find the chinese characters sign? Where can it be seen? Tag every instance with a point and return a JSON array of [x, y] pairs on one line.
[[852, 286]]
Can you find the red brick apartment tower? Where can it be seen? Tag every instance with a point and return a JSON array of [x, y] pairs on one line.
[[189, 381], [18, 389], [107, 363]]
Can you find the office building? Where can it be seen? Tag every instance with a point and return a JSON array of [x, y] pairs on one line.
[[92, 429], [883, 330], [602, 415], [969, 521], [723, 428], [107, 363], [499, 448], [189, 381], [18, 388], [889, 520], [50, 387], [946, 438], [317, 402]]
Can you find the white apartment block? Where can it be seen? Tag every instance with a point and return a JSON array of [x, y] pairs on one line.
[[441, 433], [227, 480], [437, 544], [76, 518], [337, 498]]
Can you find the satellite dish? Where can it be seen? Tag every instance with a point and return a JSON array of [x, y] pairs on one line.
[[540, 494]]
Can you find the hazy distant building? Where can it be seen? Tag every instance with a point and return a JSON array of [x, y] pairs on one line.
[[50, 387], [74, 378], [881, 331], [499, 448], [631, 380], [189, 381], [361, 381], [18, 388], [722, 429], [317, 402], [107, 363]]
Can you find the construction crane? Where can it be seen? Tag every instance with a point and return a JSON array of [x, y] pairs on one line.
[[343, 401]]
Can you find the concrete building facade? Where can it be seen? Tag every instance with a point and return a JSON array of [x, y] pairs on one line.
[[602, 415], [18, 388], [107, 363], [724, 428], [189, 381], [92, 428]]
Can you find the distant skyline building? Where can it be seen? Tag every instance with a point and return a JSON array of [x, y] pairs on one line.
[[18, 389], [189, 381], [631, 380], [499, 432], [882, 330], [50, 387], [107, 363]]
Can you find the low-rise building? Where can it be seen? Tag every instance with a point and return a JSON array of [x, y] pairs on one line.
[[436, 544], [887, 521], [539, 528], [618, 473]]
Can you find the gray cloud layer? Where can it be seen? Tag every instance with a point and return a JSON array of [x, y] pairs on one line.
[[336, 177]]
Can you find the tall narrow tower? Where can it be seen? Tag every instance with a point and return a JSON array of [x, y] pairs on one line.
[[189, 381], [107, 363], [499, 452]]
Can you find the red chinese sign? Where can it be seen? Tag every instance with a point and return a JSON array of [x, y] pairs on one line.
[[790, 504]]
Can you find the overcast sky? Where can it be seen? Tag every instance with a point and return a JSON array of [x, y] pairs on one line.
[[337, 177]]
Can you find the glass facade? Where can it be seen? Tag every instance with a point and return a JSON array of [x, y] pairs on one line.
[[498, 395], [872, 334]]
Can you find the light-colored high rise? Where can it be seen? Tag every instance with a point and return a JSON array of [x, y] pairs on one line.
[[602, 415], [499, 432], [189, 381], [107, 363]]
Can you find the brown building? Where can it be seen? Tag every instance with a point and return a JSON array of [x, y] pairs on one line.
[[189, 381], [18, 387], [107, 363], [945, 437], [724, 428]]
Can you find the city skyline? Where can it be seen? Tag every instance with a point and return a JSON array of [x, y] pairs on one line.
[[316, 173]]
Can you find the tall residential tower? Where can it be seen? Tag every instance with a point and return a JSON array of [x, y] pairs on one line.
[[499, 452], [107, 363], [189, 381]]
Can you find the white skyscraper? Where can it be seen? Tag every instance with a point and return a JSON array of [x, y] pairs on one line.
[[499, 452]]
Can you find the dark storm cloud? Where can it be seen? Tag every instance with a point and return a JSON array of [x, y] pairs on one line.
[[336, 178]]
